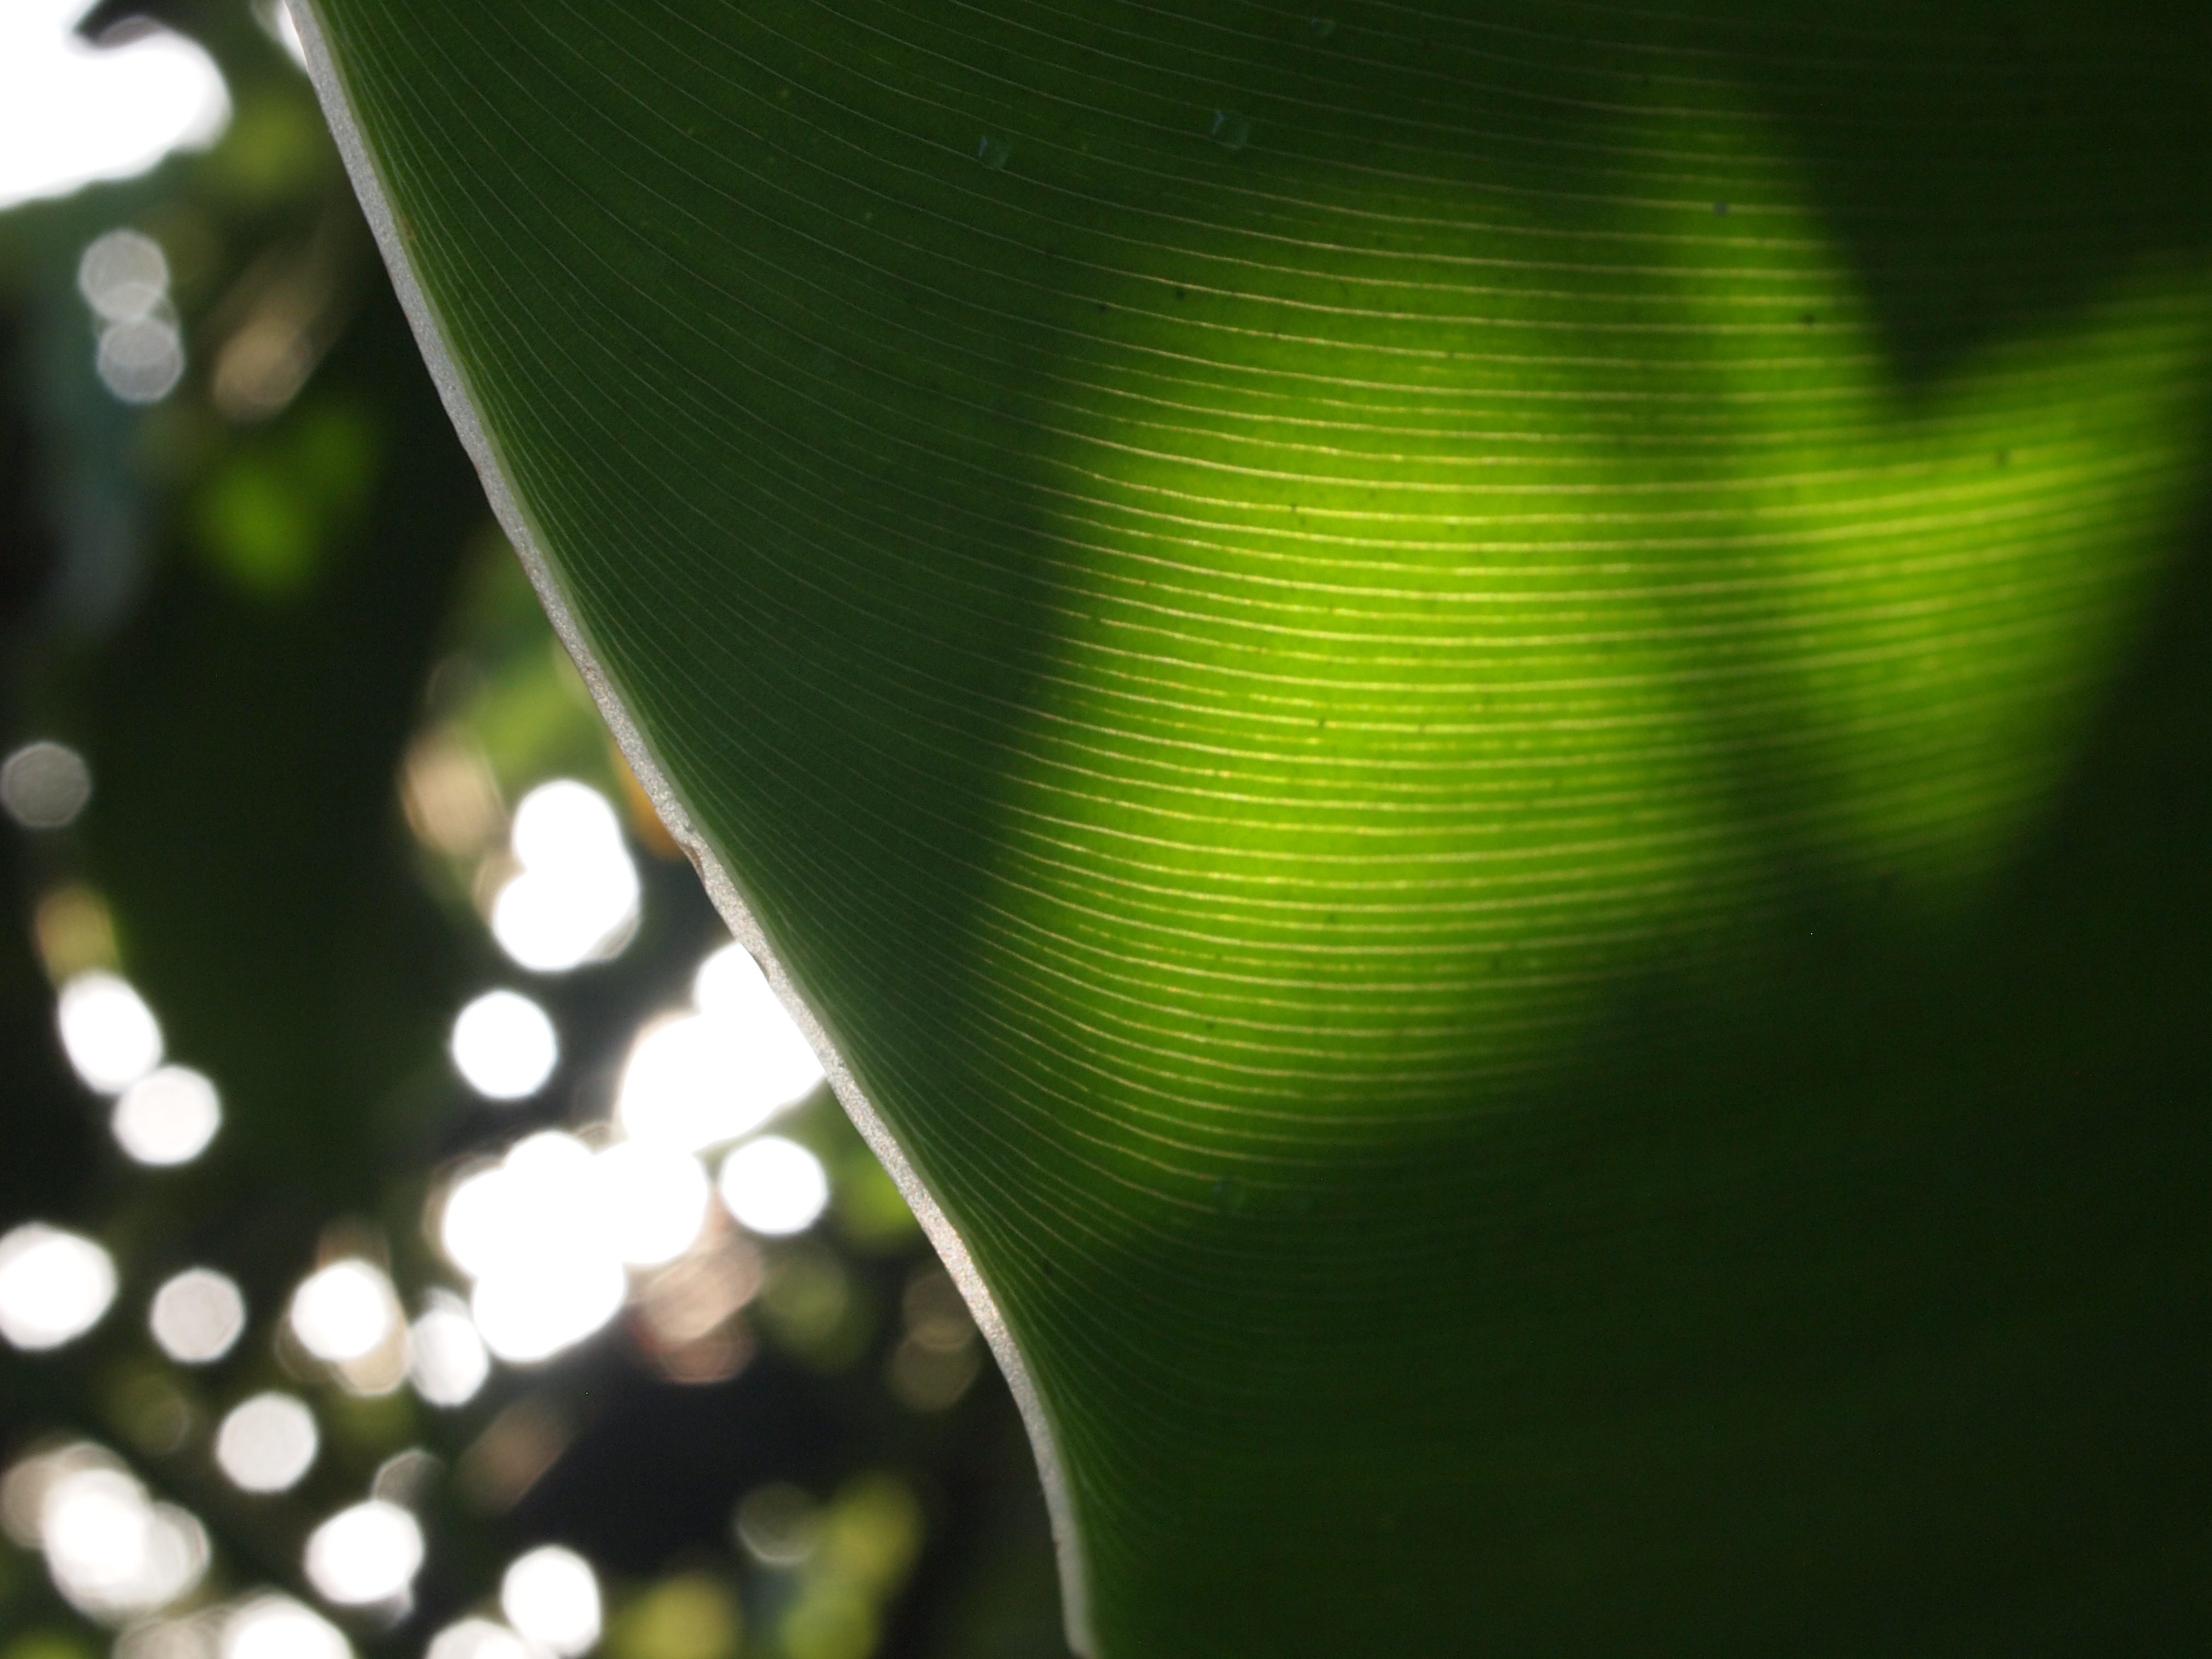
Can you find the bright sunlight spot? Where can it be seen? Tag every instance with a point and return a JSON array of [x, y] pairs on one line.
[[167, 1117], [731, 990], [445, 1358], [114, 1553], [532, 1232], [71, 112], [722, 1072], [479, 1638], [503, 1045], [365, 1554], [277, 1627], [108, 1033], [344, 1311], [54, 1285], [680, 1087], [546, 1233], [267, 1443], [774, 1187], [551, 1597], [197, 1316], [576, 898], [652, 1199], [527, 1316]]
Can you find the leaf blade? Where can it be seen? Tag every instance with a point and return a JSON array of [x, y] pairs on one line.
[[1224, 668]]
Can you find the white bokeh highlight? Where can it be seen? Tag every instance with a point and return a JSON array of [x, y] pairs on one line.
[[446, 1359], [731, 990], [365, 1554], [184, 1635], [125, 278], [113, 1553], [774, 1187], [652, 1201], [197, 1316], [681, 1089], [551, 1597], [109, 1034], [530, 1232], [720, 1072], [167, 1117], [343, 1312], [576, 899], [55, 1285], [141, 360], [122, 276], [504, 1046], [277, 1627], [480, 1638], [72, 113], [267, 1443]]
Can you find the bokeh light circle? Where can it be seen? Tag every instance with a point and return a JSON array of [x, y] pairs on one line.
[[109, 1034], [197, 1316], [167, 1117], [551, 1597], [504, 1046], [365, 1554], [267, 1443], [773, 1186], [54, 1285], [277, 1627], [344, 1311]]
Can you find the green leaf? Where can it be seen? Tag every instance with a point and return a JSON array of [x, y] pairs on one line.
[[1482, 731]]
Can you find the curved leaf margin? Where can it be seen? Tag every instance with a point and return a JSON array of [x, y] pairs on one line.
[[461, 406]]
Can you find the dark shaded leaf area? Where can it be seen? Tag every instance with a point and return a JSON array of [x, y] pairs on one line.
[[1487, 725]]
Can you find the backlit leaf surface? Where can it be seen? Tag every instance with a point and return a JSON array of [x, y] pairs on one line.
[[1484, 726]]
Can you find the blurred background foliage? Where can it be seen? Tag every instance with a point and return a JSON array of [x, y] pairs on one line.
[[265, 604]]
